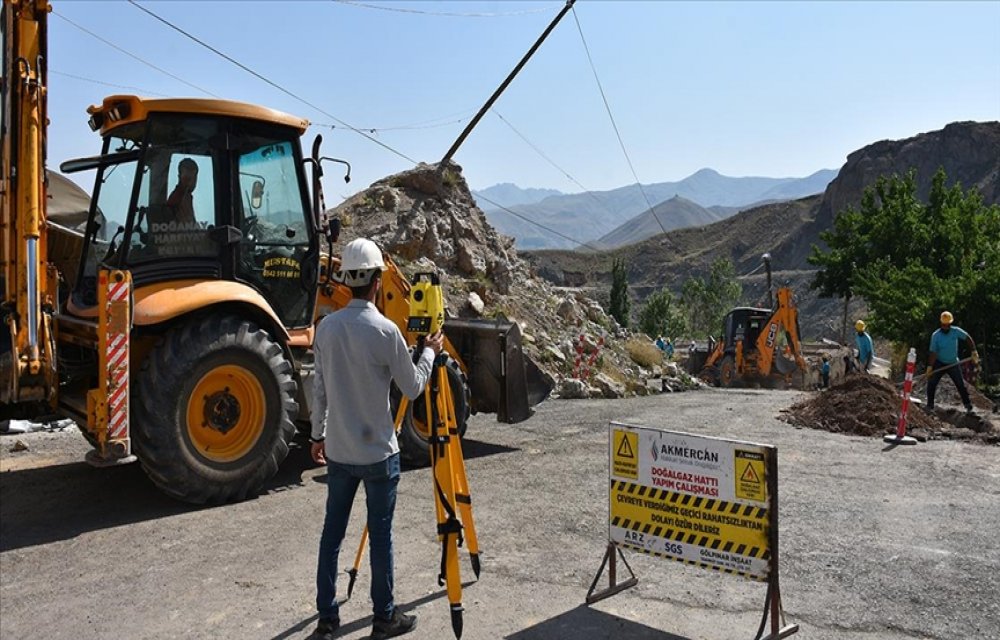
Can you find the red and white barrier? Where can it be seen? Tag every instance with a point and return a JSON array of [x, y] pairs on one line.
[[901, 437], [581, 365]]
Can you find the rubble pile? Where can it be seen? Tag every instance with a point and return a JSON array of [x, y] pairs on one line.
[[427, 219], [867, 405]]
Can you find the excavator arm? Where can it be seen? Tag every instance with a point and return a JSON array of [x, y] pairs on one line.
[[28, 283], [779, 346]]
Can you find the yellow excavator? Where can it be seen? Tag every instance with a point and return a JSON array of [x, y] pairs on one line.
[[758, 345], [175, 322]]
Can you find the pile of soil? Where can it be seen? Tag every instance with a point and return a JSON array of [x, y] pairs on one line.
[[869, 406], [946, 393]]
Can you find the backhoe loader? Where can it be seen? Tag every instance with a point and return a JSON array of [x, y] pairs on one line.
[[175, 326], [758, 345]]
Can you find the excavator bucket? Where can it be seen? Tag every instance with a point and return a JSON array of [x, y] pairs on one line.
[[501, 379]]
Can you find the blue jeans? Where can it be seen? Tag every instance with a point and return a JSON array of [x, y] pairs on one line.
[[381, 480], [956, 376]]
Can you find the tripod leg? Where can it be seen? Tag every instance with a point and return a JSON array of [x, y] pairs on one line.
[[449, 527], [463, 495]]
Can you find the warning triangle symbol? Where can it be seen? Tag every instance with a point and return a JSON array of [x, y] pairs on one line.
[[625, 449], [749, 475]]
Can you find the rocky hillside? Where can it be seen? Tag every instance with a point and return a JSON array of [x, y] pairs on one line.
[[427, 219], [969, 152]]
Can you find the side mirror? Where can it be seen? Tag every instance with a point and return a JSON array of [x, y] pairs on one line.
[[257, 194], [333, 230]]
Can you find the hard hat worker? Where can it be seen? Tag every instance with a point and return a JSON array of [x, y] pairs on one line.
[[180, 199], [866, 349], [825, 371], [358, 352], [944, 352]]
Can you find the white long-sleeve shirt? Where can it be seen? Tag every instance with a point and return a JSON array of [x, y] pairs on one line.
[[358, 351]]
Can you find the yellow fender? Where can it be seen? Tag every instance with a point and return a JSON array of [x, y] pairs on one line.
[[164, 301]]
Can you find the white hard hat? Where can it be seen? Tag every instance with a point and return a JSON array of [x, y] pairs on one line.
[[360, 261]]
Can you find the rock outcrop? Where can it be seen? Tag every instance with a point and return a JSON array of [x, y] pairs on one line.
[[426, 218]]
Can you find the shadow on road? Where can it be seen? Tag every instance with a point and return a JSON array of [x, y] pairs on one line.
[[304, 626], [593, 624], [59, 502]]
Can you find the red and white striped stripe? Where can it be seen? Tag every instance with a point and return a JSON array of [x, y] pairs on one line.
[[911, 362], [116, 356], [593, 358]]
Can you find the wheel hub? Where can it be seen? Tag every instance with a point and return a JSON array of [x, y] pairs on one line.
[[222, 411]]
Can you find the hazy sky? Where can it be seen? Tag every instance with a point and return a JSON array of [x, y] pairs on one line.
[[747, 88]]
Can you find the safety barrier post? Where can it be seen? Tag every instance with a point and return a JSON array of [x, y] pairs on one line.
[[592, 359], [900, 437]]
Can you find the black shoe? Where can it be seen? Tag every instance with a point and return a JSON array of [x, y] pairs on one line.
[[397, 625], [325, 629], [970, 409]]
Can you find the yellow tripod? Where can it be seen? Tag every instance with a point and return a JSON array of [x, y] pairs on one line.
[[452, 498]]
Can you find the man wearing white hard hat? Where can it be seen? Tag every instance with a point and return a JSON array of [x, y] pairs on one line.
[[358, 352], [943, 358]]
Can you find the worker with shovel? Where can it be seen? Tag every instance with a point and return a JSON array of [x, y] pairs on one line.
[[943, 358]]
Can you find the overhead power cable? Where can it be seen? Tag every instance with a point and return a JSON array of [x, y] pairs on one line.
[[615, 125], [270, 82], [424, 124], [450, 14], [108, 84], [550, 161], [538, 224], [133, 56]]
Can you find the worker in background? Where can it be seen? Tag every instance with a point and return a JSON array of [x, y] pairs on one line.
[[670, 349], [866, 349], [825, 371], [660, 344], [358, 352], [943, 358], [181, 200]]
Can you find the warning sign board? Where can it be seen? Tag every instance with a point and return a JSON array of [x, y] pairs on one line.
[[695, 499], [750, 475], [624, 460]]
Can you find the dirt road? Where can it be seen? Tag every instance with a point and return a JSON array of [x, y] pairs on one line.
[[875, 544]]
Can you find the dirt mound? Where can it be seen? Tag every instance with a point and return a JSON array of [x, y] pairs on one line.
[[869, 406], [947, 394], [427, 219]]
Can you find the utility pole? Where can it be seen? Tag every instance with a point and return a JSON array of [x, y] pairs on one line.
[[496, 94]]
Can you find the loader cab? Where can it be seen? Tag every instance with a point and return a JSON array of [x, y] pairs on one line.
[[201, 189], [744, 324]]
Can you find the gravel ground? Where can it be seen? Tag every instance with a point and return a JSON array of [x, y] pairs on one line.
[[875, 543]]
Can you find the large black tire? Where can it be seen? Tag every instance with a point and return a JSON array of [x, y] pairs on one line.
[[413, 446], [214, 405], [727, 372]]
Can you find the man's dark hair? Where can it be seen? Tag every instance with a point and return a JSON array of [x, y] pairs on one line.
[[365, 291], [187, 165]]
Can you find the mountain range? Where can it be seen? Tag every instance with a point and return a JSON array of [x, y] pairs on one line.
[[593, 215], [969, 152]]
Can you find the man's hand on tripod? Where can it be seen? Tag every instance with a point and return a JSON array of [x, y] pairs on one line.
[[435, 342]]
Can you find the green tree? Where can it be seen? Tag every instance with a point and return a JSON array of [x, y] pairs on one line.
[[708, 300], [620, 303], [661, 315], [911, 260]]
